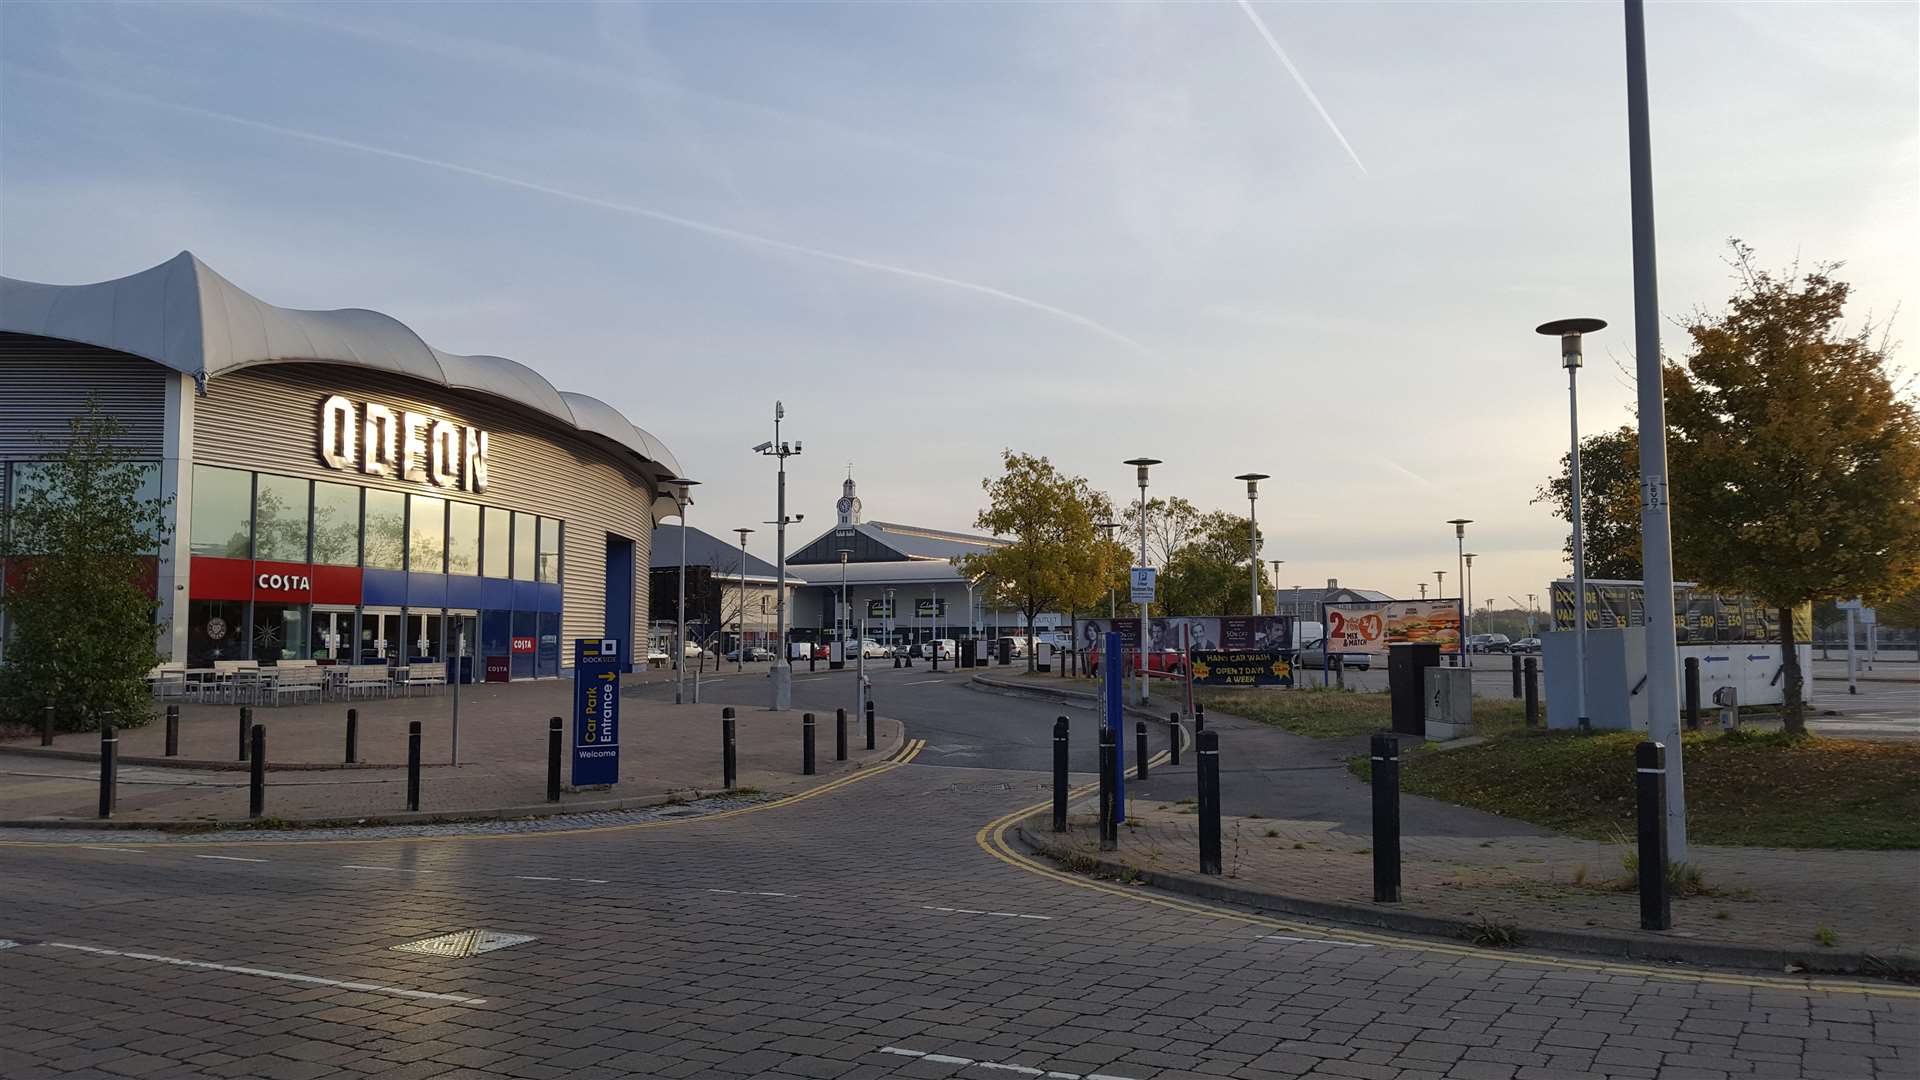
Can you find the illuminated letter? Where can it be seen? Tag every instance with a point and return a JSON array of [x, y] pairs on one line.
[[336, 433], [413, 447], [379, 450], [475, 474], [444, 441]]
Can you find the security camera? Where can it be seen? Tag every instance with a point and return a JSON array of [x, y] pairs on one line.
[[796, 446], [799, 517], [763, 448]]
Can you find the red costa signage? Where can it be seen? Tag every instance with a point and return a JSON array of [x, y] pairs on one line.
[[212, 578], [523, 644]]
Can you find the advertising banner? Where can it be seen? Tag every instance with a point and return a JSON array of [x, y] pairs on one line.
[[1192, 632], [1241, 667], [596, 711], [1256, 632], [879, 609], [1373, 627], [924, 609], [1089, 634], [1700, 616]]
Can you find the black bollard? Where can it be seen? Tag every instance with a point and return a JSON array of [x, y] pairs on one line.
[[246, 726], [1516, 675], [257, 785], [813, 659], [413, 765], [934, 652], [1109, 829], [1060, 775], [1173, 738], [1650, 772], [1533, 692], [896, 661], [1140, 749], [1386, 819], [870, 723], [46, 725], [1693, 693], [1209, 751], [554, 739], [173, 731], [839, 734], [109, 769], [353, 736], [729, 761], [806, 744]]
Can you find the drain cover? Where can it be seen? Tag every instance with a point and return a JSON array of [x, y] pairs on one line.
[[464, 943]]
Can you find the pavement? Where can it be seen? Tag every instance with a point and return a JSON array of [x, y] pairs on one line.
[[880, 925]]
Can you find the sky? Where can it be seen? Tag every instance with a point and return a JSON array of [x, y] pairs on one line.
[[1305, 239]]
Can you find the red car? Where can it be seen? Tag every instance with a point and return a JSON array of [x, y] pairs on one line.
[[1161, 664]]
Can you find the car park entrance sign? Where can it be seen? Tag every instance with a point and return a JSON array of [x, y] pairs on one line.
[[596, 711], [1143, 582]]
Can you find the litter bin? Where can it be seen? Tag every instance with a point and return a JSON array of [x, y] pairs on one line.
[[1407, 665]]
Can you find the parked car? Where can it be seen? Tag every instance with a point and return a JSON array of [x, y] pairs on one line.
[[1525, 645], [1488, 643], [1055, 639], [1313, 657], [755, 653], [1016, 646], [925, 649], [804, 650], [872, 650], [1161, 663], [692, 650]]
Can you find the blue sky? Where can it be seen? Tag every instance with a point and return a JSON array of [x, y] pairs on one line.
[[1092, 231]]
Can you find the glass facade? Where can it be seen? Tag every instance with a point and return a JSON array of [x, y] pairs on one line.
[[222, 512], [336, 524], [463, 538], [525, 528], [386, 531], [496, 545], [279, 518], [549, 564], [426, 534]]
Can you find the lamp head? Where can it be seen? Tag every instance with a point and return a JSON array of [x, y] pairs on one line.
[[1569, 331], [1470, 556], [779, 411], [1459, 525], [1142, 464], [1253, 483]]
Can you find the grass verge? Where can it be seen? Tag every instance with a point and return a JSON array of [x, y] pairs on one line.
[[1744, 789]]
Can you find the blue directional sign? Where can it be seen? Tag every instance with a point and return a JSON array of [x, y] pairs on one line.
[[596, 711]]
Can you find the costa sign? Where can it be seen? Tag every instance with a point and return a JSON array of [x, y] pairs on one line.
[[371, 438], [284, 583]]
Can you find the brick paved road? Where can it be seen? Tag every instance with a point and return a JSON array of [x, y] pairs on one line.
[[861, 933]]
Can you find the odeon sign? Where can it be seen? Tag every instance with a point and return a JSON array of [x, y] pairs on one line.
[[373, 439], [284, 582]]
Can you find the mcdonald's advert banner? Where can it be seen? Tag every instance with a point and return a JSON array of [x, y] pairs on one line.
[[1372, 627]]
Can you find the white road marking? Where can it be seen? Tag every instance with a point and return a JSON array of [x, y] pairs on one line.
[[6, 944], [228, 858], [394, 869], [973, 911], [999, 1066], [127, 850], [289, 976], [529, 877], [586, 880], [1313, 941], [922, 682], [738, 892]]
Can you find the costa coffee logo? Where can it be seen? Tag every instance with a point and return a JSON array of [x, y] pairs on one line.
[[284, 582], [373, 439]]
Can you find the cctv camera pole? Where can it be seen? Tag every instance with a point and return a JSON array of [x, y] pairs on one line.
[[1656, 537], [740, 640], [782, 673], [682, 501]]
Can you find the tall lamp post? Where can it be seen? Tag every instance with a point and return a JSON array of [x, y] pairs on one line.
[[1276, 583], [1253, 536], [1569, 331], [1439, 584], [1141, 465], [740, 663], [1470, 558], [681, 500], [782, 674], [1460, 564], [890, 642], [1423, 590], [841, 615], [1112, 610]]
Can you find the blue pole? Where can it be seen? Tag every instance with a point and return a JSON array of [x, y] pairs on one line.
[[1116, 701]]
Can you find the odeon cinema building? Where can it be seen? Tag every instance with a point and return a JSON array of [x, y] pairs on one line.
[[342, 490]]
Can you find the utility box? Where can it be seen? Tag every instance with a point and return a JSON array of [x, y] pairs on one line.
[[1616, 679], [1006, 651], [1449, 703], [1406, 680], [1043, 658]]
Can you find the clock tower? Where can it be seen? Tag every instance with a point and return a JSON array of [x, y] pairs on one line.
[[849, 504]]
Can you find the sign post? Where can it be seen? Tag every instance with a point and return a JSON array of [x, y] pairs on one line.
[[1113, 679], [596, 711]]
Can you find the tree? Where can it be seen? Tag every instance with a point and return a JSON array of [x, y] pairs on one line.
[[1609, 502], [1795, 462], [1208, 575], [81, 540], [1057, 558]]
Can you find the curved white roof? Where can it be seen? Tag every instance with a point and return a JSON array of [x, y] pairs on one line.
[[184, 315]]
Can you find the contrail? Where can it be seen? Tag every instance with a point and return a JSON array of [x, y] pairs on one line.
[[1274, 44], [609, 204]]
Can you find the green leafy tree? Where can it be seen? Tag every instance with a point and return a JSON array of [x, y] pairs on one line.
[[1609, 502], [1208, 575], [1056, 558], [81, 538], [1794, 460]]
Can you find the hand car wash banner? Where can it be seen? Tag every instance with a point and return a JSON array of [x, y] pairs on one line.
[[1372, 627]]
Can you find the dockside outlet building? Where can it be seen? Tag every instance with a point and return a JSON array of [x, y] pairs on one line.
[[341, 490]]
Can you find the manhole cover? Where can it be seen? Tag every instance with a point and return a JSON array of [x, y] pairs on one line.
[[464, 943]]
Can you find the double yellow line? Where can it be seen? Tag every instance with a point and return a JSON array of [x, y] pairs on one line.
[[907, 752], [992, 838]]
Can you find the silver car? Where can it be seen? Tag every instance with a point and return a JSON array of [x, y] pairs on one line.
[[1313, 657]]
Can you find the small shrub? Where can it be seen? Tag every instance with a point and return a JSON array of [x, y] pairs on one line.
[[1825, 936], [1580, 874], [1273, 833], [1494, 933]]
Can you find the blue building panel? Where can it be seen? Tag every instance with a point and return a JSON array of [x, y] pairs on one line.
[[465, 591], [383, 588], [496, 593], [526, 596], [549, 601], [427, 590]]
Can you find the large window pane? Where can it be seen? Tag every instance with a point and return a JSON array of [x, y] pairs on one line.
[[222, 512], [427, 534], [524, 528], [336, 524], [386, 530], [280, 518], [463, 538], [499, 549], [549, 550]]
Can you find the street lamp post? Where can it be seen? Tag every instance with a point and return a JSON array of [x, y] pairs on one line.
[[1423, 590], [782, 673], [740, 662], [1276, 583], [1112, 610], [842, 616], [1253, 536], [681, 500], [890, 642], [1141, 465], [1569, 331], [1460, 564], [1470, 557]]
